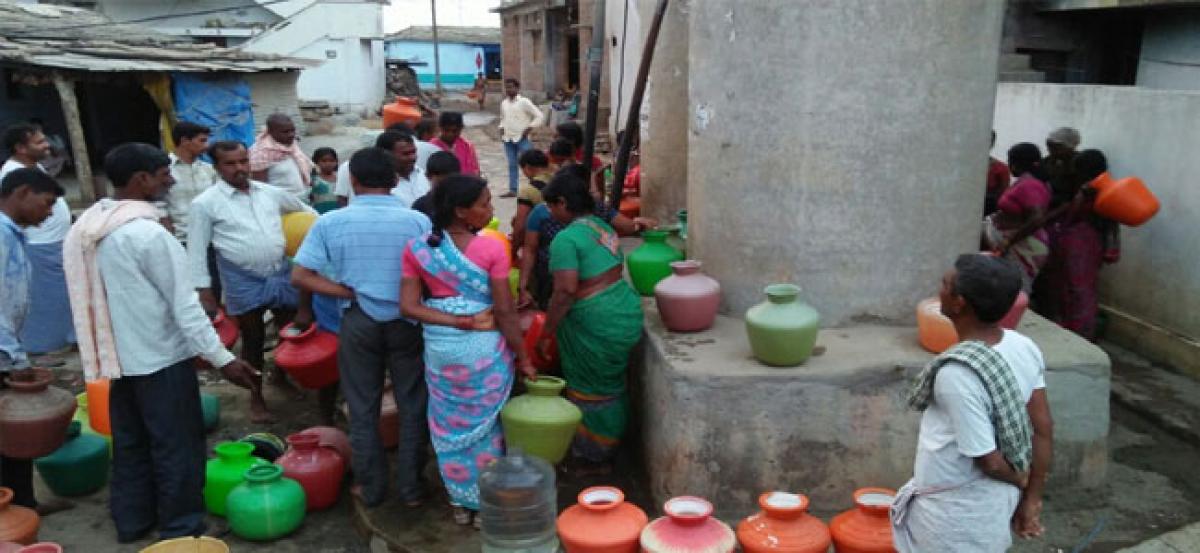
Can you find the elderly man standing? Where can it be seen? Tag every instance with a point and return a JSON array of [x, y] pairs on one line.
[[241, 218], [276, 158], [518, 116], [140, 325], [49, 326], [986, 438]]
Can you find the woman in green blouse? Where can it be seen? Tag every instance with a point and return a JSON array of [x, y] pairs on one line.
[[595, 315]]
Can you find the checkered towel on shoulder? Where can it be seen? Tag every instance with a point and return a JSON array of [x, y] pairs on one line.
[[1014, 432]]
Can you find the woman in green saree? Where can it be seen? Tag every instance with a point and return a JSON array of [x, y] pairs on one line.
[[596, 317]]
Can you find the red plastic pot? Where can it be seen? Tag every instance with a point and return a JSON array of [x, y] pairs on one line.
[[226, 328], [308, 356], [318, 470], [333, 438], [536, 324]]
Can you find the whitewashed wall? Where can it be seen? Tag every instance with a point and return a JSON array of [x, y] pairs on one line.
[[1149, 133]]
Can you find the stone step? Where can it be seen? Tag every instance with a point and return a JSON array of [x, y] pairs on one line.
[[1170, 400]]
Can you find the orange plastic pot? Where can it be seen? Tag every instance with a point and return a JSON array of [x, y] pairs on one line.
[[783, 526], [1126, 201], [537, 322], [936, 333], [934, 330], [866, 528], [17, 524], [404, 110], [602, 522], [227, 329], [97, 406]]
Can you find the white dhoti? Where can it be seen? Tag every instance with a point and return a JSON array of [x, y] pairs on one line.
[[971, 518]]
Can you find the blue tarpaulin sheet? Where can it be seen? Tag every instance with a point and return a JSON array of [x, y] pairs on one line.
[[221, 103]]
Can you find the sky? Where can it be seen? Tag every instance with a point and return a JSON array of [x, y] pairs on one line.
[[406, 13]]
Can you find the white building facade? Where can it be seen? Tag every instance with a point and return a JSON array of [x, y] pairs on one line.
[[346, 35]]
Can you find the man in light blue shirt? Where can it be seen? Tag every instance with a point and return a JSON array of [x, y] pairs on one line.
[[361, 247], [27, 197]]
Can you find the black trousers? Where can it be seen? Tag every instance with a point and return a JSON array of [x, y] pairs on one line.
[[158, 453], [367, 350], [17, 474]]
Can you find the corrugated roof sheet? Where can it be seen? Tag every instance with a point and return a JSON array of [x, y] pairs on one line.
[[465, 35], [63, 37]]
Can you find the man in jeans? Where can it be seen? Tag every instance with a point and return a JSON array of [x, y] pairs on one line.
[[518, 116], [359, 246]]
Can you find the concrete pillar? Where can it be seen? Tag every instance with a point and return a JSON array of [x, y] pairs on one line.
[[839, 145], [664, 128]]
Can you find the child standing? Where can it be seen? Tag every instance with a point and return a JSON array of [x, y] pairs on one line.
[[325, 165], [450, 139]]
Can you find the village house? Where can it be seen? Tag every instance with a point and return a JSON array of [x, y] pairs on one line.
[[98, 84], [347, 35], [463, 52]]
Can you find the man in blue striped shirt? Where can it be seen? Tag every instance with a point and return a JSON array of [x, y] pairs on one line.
[[360, 247]]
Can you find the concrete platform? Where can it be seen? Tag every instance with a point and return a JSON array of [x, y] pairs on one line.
[[718, 424]]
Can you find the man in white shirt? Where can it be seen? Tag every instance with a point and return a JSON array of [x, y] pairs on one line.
[[518, 116], [159, 327], [49, 327], [411, 182], [966, 491], [276, 158], [241, 218], [192, 175]]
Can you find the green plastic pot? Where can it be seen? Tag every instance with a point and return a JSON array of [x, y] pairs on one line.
[[79, 467], [225, 471], [651, 262], [782, 330], [541, 422], [266, 506], [211, 406]]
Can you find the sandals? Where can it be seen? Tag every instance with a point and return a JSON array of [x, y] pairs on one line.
[[462, 516]]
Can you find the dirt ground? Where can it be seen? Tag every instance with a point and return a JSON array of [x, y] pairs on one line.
[[1152, 475]]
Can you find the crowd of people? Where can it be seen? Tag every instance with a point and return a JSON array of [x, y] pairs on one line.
[[393, 265], [422, 306], [1045, 221]]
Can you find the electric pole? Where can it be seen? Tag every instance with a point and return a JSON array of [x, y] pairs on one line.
[[437, 61]]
